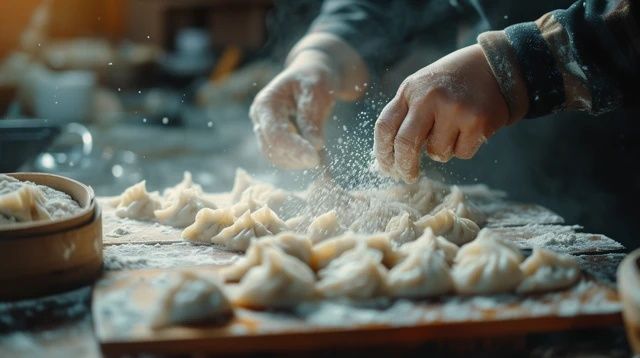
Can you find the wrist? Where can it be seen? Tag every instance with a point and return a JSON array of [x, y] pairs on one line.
[[343, 63], [505, 68]]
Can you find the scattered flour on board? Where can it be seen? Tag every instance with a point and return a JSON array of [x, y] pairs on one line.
[[136, 256]]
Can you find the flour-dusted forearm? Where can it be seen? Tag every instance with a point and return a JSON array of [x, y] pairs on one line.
[[586, 57]]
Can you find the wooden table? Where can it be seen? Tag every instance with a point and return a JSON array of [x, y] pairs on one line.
[[62, 325]]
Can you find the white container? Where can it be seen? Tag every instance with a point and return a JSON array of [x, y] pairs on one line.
[[64, 97]]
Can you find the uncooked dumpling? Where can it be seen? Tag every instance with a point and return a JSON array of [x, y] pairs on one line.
[[189, 298], [324, 227], [238, 236], [254, 194], [208, 224], [378, 214], [292, 244], [330, 249], [463, 208], [24, 204], [487, 265], [401, 229], [280, 280], [186, 183], [452, 227], [423, 273], [356, 274], [546, 270], [423, 195], [432, 242], [136, 203], [182, 208]]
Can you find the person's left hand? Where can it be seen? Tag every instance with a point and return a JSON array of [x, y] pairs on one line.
[[450, 107]]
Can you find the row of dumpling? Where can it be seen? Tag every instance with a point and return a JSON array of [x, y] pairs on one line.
[[258, 209], [178, 205], [234, 227], [286, 269]]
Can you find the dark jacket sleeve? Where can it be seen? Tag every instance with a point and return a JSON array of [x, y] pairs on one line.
[[375, 29], [586, 57]]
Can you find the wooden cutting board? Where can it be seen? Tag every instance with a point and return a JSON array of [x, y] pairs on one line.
[[122, 304], [123, 298]]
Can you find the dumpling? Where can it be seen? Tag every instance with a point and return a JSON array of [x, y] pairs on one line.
[[257, 194], [182, 208], [25, 204], [452, 227], [423, 195], [461, 207], [279, 281], [330, 249], [546, 270], [357, 274], [136, 203], [324, 227], [378, 214], [429, 241], [208, 224], [487, 265], [423, 273], [294, 245], [241, 183], [190, 299], [401, 229], [238, 236], [186, 183]]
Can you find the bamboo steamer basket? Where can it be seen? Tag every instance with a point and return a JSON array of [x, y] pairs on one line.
[[629, 287], [45, 257]]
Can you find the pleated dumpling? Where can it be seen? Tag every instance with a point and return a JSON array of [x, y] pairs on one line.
[[424, 272], [449, 225], [186, 183], [462, 207], [324, 226], [255, 194], [487, 265], [208, 224], [136, 203], [357, 274], [189, 298], [260, 223], [401, 229], [280, 280], [546, 270], [330, 249], [292, 244], [432, 242], [182, 208], [25, 204], [423, 195], [378, 214]]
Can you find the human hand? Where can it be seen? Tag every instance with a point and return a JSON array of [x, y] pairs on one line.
[[289, 113], [450, 107]]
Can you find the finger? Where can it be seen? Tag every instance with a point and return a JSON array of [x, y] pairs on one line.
[[408, 142], [311, 114], [385, 131], [278, 137], [468, 144], [442, 139]]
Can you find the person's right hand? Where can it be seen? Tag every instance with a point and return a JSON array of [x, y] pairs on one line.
[[289, 113]]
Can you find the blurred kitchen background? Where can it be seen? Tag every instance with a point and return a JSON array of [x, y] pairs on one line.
[[113, 91]]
